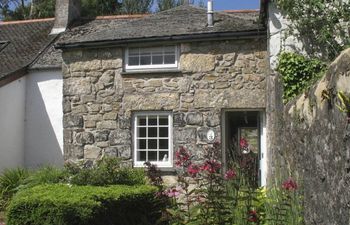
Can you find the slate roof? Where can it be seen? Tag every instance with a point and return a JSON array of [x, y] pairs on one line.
[[179, 21], [3, 44], [52, 58], [25, 41]]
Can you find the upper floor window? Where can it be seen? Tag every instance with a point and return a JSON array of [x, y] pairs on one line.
[[163, 57]]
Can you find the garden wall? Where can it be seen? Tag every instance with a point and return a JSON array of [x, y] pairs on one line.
[[315, 147]]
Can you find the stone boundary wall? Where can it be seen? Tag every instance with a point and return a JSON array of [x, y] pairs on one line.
[[99, 100], [315, 147]]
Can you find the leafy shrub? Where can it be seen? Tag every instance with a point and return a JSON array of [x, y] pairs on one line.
[[298, 73], [10, 180], [81, 205], [108, 171], [46, 175]]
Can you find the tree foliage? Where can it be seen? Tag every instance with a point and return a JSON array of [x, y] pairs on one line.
[[136, 6], [14, 9], [91, 8], [323, 25], [42, 8], [168, 4], [22, 9]]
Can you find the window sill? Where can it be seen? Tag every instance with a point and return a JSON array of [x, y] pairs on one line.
[[148, 72], [164, 171]]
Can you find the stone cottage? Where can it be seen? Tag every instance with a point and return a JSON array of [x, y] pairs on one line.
[[140, 88]]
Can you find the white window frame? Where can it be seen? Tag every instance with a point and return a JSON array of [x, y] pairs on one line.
[[160, 164], [151, 67]]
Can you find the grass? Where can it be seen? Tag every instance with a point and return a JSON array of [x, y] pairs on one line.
[[2, 217]]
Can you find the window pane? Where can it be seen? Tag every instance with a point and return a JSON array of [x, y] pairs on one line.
[[152, 121], [169, 59], [152, 132], [157, 59], [152, 143], [164, 156], [163, 131], [145, 51], [163, 144], [141, 144], [145, 60], [134, 61], [134, 51], [141, 156], [141, 132], [152, 156], [163, 120], [141, 121], [169, 49], [157, 51]]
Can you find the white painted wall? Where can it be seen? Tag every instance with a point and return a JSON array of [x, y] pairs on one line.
[[43, 141], [280, 38], [12, 113]]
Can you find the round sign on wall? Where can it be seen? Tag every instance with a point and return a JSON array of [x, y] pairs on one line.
[[210, 135]]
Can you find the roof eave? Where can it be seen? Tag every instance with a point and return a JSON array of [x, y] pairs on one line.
[[13, 76], [176, 38]]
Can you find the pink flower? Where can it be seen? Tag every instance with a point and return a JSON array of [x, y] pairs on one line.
[[212, 166], [243, 143], [193, 170], [252, 216], [290, 185], [182, 157], [230, 174], [173, 192]]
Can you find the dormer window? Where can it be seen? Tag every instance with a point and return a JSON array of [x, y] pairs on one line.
[[151, 58]]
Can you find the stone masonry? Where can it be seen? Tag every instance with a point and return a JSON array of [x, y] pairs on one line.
[[99, 99], [315, 147]]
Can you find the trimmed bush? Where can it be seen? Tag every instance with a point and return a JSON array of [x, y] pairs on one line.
[[60, 204]]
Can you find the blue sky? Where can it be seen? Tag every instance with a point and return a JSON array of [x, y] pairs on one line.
[[236, 4], [231, 4]]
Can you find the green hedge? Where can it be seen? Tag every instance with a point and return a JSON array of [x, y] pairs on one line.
[[60, 204]]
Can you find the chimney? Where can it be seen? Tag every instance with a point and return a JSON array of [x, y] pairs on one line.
[[210, 13], [66, 12]]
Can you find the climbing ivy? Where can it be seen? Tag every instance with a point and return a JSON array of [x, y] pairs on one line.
[[322, 25], [298, 73]]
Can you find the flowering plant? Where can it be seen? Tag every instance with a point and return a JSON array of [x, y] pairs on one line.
[[289, 185], [206, 194]]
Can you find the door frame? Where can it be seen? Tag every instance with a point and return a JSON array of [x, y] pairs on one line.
[[263, 140]]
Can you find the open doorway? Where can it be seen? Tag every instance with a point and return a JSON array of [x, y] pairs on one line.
[[244, 143]]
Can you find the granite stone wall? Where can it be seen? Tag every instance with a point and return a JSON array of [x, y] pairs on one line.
[[99, 98], [315, 147]]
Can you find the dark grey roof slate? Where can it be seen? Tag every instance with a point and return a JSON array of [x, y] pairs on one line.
[[183, 20], [25, 41], [3, 44], [50, 58]]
